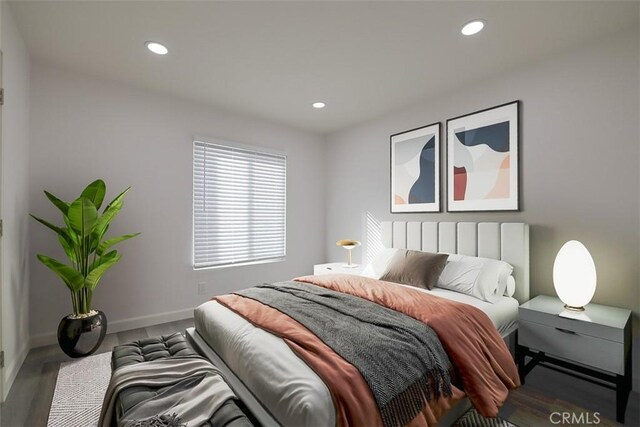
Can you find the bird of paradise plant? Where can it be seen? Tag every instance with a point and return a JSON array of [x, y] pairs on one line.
[[82, 239]]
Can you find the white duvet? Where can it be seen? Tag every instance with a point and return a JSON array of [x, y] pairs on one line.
[[279, 379]]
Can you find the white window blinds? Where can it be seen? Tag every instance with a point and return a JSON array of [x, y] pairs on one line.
[[239, 205]]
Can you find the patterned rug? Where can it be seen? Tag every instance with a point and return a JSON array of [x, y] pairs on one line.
[[472, 418], [80, 388]]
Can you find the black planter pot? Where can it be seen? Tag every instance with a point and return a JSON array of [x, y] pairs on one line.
[[81, 337]]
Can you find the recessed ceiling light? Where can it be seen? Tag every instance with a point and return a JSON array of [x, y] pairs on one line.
[[157, 48], [318, 105], [473, 27]]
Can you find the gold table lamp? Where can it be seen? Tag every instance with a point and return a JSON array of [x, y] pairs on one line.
[[348, 244]]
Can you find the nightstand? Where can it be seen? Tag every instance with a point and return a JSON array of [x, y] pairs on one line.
[[594, 345], [336, 268]]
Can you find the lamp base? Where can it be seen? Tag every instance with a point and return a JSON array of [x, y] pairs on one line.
[[350, 265], [569, 307]]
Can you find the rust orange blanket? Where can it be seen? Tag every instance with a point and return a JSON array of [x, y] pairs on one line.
[[479, 354]]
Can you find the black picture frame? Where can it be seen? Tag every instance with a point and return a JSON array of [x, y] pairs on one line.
[[477, 181], [399, 180]]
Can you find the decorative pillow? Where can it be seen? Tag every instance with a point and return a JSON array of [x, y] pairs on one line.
[[378, 265], [483, 278], [415, 268], [511, 287]]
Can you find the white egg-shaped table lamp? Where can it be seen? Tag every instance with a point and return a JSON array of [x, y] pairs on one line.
[[348, 244], [574, 275]]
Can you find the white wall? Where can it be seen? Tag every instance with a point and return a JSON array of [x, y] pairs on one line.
[[580, 179], [85, 128], [14, 193], [579, 164]]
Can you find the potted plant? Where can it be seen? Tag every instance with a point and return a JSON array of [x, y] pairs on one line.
[[82, 239]]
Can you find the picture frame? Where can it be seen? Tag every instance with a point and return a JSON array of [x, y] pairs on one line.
[[483, 156], [415, 170]]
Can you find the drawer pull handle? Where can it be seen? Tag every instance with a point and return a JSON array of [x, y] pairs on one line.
[[566, 331]]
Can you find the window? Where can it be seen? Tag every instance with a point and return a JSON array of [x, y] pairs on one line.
[[239, 205]]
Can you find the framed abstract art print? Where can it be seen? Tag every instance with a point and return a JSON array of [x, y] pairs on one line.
[[482, 160], [415, 170]]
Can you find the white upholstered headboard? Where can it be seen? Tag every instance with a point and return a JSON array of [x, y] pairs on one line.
[[508, 241]]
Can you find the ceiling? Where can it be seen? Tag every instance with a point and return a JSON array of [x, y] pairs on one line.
[[272, 60]]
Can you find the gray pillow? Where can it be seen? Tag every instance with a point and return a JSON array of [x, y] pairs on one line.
[[415, 268]]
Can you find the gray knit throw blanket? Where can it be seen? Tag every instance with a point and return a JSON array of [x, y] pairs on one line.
[[400, 358]]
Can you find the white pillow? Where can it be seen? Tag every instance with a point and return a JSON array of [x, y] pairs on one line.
[[482, 278], [377, 267], [511, 287]]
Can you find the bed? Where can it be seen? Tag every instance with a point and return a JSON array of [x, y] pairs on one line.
[[279, 388]]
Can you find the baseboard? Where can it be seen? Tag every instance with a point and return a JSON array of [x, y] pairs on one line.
[[11, 371], [49, 338]]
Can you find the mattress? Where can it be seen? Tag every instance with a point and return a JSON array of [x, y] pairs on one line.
[[291, 390]]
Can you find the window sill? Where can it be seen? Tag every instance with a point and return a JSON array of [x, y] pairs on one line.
[[242, 264]]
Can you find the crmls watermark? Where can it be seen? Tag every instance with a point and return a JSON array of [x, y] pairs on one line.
[[581, 418]]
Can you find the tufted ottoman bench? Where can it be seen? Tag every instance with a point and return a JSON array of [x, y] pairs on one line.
[[229, 414]]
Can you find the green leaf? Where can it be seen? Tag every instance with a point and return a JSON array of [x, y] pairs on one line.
[[68, 248], [95, 192], [101, 260], [64, 236], [102, 223], [108, 243], [97, 237], [82, 216], [47, 224], [73, 237], [63, 206], [94, 276], [71, 277], [110, 212], [118, 198]]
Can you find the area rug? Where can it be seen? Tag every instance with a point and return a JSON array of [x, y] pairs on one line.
[[472, 418], [80, 388]]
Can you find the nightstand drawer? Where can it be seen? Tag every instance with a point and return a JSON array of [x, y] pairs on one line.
[[595, 330], [573, 345], [599, 321]]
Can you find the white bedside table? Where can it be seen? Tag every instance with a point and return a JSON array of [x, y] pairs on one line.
[[599, 337], [336, 268]]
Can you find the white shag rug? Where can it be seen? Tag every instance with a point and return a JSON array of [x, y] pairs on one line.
[[80, 388]]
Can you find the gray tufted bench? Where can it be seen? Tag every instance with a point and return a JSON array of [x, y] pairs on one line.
[[150, 349], [229, 415]]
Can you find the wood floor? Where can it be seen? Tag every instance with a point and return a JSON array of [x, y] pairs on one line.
[[545, 392]]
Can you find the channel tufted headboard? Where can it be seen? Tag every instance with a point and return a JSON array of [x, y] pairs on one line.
[[508, 241]]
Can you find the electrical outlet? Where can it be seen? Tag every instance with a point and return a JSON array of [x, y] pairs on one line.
[[202, 288]]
